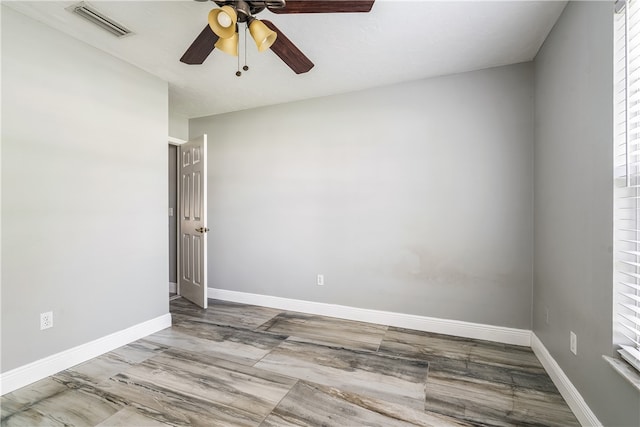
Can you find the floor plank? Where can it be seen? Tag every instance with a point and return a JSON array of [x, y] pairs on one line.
[[371, 374], [310, 404], [327, 331]]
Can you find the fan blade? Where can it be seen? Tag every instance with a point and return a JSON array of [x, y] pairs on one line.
[[201, 47], [325, 6], [288, 52]]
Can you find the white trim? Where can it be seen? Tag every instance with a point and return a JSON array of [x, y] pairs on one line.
[[569, 392], [409, 321], [177, 211], [173, 287], [175, 141], [32, 372]]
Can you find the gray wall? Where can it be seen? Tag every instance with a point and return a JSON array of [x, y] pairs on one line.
[[178, 125], [573, 206], [415, 198], [84, 196]]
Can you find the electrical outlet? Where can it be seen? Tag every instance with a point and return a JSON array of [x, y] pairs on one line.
[[46, 320], [320, 281], [573, 343]]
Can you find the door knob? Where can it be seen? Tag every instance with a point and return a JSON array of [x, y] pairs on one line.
[[202, 229]]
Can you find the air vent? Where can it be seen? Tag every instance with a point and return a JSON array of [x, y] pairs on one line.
[[92, 15]]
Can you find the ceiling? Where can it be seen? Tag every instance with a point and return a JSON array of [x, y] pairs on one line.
[[399, 40]]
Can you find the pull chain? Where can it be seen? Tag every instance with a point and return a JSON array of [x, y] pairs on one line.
[[238, 73], [246, 67]]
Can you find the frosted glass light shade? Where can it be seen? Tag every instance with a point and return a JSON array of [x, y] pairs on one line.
[[228, 45], [262, 35], [223, 21]]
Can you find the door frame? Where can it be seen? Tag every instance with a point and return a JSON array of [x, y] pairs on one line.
[[177, 142]]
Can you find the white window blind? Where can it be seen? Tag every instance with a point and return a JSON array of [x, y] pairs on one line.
[[627, 180]]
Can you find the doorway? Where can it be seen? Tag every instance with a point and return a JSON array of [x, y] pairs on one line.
[[187, 197], [192, 211]]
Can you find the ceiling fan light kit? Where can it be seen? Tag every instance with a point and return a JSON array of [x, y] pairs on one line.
[[222, 30]]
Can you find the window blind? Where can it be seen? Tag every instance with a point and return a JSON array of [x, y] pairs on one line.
[[627, 180]]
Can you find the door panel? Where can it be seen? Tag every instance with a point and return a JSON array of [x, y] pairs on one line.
[[193, 214], [197, 196]]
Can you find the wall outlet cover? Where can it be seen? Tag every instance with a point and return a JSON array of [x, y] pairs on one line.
[[46, 320]]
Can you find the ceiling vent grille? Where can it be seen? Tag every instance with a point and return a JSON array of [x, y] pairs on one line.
[[92, 15]]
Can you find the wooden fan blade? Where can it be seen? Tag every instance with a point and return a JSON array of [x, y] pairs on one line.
[[325, 6], [288, 52], [201, 47]]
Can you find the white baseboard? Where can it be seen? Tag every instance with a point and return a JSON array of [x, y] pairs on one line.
[[173, 287], [409, 321], [581, 410], [32, 372]]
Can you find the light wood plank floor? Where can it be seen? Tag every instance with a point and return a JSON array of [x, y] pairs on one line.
[[241, 365]]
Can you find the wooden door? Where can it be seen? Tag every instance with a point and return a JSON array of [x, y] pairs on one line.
[[193, 218]]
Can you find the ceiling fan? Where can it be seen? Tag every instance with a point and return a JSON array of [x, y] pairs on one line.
[[222, 30]]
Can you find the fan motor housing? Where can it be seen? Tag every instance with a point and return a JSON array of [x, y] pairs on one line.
[[253, 7]]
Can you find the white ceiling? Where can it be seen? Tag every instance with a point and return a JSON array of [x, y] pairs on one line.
[[399, 40]]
